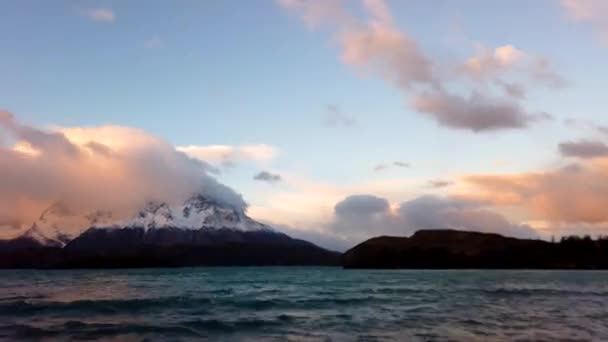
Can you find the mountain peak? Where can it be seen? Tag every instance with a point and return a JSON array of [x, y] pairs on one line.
[[58, 224], [197, 212]]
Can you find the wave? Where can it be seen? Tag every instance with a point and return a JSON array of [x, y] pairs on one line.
[[539, 291], [199, 306], [304, 303], [192, 328], [112, 306]]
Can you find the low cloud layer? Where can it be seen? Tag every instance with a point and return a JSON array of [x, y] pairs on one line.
[[109, 167], [266, 176], [376, 44], [362, 216], [573, 194]]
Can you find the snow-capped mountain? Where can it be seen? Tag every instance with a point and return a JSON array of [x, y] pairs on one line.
[[198, 212], [58, 225], [199, 231]]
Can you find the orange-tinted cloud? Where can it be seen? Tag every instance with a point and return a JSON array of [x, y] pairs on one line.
[[572, 194], [376, 43], [109, 167]]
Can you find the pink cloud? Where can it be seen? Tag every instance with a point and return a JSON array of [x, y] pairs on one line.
[[90, 168]]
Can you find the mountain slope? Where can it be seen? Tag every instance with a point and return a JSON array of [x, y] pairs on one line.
[[198, 232]]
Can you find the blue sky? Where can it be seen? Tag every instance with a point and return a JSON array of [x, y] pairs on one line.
[[254, 72]]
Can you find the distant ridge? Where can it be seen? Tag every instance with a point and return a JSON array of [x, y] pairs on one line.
[[445, 249]]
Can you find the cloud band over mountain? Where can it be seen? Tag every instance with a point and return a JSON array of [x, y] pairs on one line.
[[107, 167]]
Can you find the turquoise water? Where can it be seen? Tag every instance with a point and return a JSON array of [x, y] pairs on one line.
[[303, 304]]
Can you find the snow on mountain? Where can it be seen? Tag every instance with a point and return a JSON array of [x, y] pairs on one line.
[[198, 212], [34, 234], [58, 225]]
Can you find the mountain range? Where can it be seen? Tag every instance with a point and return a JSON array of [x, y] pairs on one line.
[[200, 231]]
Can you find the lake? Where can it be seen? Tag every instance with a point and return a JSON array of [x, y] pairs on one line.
[[303, 304]]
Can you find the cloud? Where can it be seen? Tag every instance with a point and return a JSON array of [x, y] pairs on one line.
[[602, 129], [228, 156], [477, 113], [307, 204], [590, 125], [382, 47], [512, 89], [364, 216], [383, 166], [573, 194], [584, 149], [361, 205], [490, 63], [359, 217], [334, 117], [89, 168], [542, 71], [431, 212], [376, 44], [266, 176], [101, 15], [591, 12], [380, 167], [154, 42], [439, 183]]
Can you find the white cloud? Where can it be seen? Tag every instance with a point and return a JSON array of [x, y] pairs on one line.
[[227, 155]]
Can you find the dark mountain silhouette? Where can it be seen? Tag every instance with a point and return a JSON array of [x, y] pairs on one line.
[[461, 249], [199, 232], [135, 247]]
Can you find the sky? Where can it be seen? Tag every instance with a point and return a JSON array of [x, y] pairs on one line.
[[332, 120]]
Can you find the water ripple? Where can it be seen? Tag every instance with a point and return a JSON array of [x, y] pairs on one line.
[[303, 304]]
